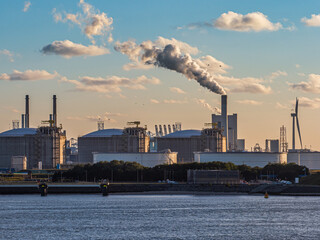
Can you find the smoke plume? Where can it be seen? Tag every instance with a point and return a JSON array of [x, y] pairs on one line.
[[171, 57]]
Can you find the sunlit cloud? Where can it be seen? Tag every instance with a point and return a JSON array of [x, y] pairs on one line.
[[249, 102], [28, 75], [90, 20], [177, 90], [27, 5], [111, 83], [310, 86], [69, 49], [7, 53], [314, 21]]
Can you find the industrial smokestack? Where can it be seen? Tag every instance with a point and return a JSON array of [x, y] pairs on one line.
[[224, 114], [27, 112], [54, 113], [22, 120]]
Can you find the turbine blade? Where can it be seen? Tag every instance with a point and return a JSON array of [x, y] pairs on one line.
[[297, 102], [298, 127]]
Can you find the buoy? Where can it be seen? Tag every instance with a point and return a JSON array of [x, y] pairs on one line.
[[266, 195]]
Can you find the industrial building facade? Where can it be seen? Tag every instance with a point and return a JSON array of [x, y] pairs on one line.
[[187, 142], [128, 140], [43, 146]]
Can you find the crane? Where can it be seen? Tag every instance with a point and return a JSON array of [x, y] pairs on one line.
[[137, 123]]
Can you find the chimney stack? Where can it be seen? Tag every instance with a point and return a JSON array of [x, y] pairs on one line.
[[27, 112], [54, 111], [224, 114]]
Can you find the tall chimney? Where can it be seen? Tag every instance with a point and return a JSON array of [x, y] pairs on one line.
[[224, 122], [26, 122], [55, 111], [22, 120]]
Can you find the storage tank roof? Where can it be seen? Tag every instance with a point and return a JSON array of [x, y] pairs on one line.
[[19, 132], [105, 133], [184, 134]]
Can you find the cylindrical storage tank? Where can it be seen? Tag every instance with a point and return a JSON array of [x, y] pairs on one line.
[[19, 163]]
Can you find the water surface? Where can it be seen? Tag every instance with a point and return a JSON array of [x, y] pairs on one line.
[[158, 217]]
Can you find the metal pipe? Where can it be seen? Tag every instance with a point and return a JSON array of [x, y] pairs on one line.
[[22, 120]]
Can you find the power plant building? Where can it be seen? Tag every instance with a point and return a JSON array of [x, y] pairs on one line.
[[186, 142], [45, 145], [128, 140]]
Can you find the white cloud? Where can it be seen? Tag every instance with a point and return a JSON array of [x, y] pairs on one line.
[[11, 109], [314, 21], [28, 75], [184, 47], [297, 65], [90, 20], [243, 85], [177, 90], [155, 101], [255, 21], [173, 101], [69, 49], [312, 86], [27, 5], [278, 74], [249, 102], [8, 54], [282, 106], [206, 105], [111, 84]]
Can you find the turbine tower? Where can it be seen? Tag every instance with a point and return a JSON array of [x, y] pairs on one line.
[[294, 120]]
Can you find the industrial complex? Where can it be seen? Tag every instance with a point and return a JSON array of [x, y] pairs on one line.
[[47, 147]]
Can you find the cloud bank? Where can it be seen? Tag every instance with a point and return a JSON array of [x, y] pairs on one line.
[[177, 90], [249, 102], [206, 105], [312, 86], [28, 75], [69, 49], [111, 84]]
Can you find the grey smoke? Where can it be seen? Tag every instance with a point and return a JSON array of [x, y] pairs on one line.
[[170, 57]]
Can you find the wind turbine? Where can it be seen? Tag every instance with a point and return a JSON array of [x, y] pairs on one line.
[[295, 117]]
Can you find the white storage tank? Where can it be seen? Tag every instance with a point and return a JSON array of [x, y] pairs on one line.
[[19, 163], [309, 159], [252, 159], [145, 159]]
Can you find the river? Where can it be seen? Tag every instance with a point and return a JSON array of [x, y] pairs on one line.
[[158, 217]]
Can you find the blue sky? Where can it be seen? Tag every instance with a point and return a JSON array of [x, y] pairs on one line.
[[273, 59]]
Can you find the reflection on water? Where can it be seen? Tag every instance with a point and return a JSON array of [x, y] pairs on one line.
[[158, 217]]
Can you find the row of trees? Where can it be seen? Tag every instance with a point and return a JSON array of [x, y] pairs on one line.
[[120, 171]]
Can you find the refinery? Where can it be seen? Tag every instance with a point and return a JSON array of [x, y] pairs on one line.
[[47, 147]]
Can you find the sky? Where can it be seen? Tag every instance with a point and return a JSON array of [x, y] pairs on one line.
[[161, 63]]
